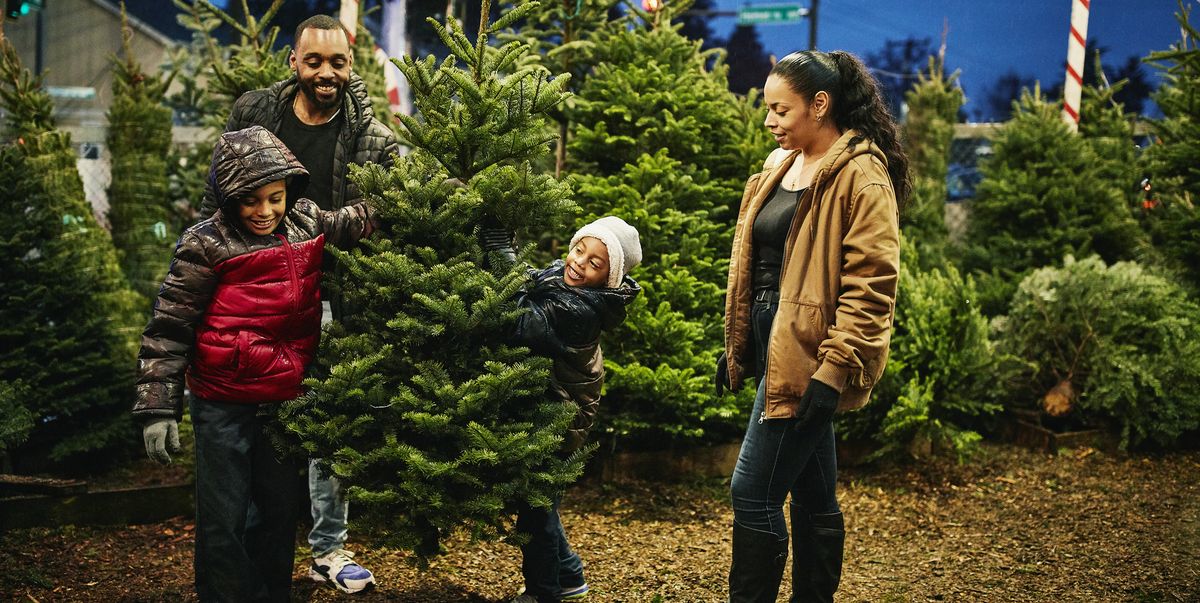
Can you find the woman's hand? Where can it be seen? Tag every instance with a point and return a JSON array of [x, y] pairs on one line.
[[722, 377], [817, 405]]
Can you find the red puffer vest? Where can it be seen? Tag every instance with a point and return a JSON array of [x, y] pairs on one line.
[[262, 326]]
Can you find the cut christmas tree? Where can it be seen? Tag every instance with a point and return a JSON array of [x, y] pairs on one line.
[[426, 412]]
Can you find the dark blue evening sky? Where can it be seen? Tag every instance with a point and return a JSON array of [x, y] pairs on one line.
[[987, 38]]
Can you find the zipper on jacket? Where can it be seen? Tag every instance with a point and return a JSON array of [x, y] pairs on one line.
[[291, 263], [782, 270]]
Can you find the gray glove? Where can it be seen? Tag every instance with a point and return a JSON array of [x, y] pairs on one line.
[[160, 436]]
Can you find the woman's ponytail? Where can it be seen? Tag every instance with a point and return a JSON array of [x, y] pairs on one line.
[[858, 104]]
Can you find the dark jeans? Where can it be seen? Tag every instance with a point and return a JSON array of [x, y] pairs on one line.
[[236, 465], [777, 460], [547, 562]]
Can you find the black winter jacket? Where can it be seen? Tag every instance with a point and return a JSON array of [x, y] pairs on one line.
[[363, 138], [564, 323]]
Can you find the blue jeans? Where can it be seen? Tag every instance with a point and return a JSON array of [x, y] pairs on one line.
[[329, 509], [777, 460], [236, 466], [547, 562], [329, 512]]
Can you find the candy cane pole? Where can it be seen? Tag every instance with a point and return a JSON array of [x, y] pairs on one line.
[[348, 15], [1076, 43]]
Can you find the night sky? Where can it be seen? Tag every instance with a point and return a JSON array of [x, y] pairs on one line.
[[987, 38]]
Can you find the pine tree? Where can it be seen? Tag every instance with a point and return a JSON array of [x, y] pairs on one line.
[[661, 142], [139, 140], [653, 89], [1174, 225], [933, 105], [430, 417], [68, 322], [1045, 194], [561, 33], [213, 76]]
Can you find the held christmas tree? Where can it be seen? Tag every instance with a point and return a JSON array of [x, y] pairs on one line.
[[429, 417]]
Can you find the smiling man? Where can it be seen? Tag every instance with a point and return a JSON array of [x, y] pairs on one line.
[[323, 114]]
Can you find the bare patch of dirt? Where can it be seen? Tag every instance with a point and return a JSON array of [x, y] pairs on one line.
[[1012, 526]]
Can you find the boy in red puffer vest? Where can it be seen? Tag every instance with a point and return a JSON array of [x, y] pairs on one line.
[[238, 319]]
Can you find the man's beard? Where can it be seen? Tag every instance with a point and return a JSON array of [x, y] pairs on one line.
[[310, 91]]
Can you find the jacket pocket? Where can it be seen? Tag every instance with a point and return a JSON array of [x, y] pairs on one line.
[[797, 332], [216, 351], [257, 356]]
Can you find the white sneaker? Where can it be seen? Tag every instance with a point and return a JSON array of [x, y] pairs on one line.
[[338, 568]]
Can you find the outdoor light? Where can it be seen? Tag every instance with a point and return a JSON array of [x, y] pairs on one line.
[[652, 5], [20, 8]]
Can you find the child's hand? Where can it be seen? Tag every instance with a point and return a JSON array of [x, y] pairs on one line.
[[160, 436]]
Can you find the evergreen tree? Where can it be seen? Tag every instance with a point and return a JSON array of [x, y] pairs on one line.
[[944, 377], [1174, 225], [16, 421], [213, 75], [1045, 194], [661, 142], [652, 89], [432, 420], [139, 140], [933, 106], [561, 34], [69, 321]]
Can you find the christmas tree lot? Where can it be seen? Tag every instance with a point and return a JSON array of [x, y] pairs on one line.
[[433, 421], [69, 319]]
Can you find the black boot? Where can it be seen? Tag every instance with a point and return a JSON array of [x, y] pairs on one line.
[[758, 562], [817, 542]]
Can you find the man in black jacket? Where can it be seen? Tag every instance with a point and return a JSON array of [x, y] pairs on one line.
[[323, 114]]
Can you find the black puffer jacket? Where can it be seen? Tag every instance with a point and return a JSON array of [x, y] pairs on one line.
[[363, 139], [564, 323]]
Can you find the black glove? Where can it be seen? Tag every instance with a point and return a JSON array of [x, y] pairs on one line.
[[817, 405], [722, 379], [497, 244]]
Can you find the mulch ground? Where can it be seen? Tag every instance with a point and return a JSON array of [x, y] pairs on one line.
[[1011, 526]]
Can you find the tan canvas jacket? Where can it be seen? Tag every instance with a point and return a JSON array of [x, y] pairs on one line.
[[837, 283]]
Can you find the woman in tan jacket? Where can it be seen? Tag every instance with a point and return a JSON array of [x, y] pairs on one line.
[[812, 290]]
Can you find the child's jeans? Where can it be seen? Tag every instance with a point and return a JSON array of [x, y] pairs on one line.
[[236, 465], [547, 562]]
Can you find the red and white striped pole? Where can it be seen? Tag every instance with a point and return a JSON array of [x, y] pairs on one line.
[[1076, 44], [348, 16]]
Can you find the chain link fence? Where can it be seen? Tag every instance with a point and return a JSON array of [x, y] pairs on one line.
[[94, 161]]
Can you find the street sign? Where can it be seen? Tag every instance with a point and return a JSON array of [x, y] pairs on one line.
[[771, 14]]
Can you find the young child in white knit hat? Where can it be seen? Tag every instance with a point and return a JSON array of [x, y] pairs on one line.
[[569, 304]]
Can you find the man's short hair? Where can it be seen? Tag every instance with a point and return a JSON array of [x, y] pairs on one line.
[[319, 22]]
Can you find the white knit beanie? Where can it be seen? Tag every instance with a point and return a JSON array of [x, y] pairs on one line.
[[624, 246]]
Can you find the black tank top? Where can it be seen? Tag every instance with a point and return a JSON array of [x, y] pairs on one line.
[[769, 236]]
